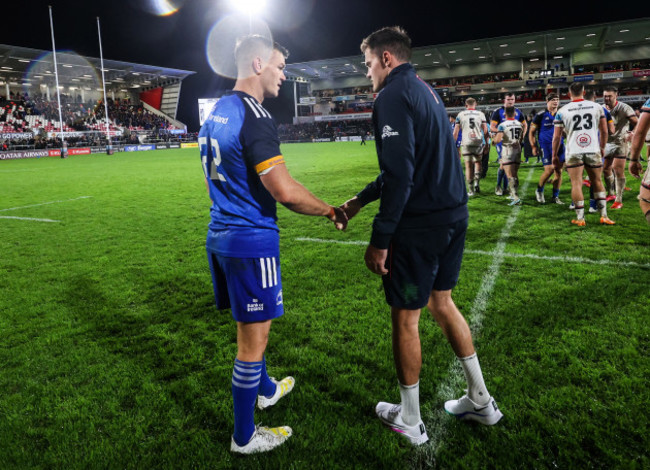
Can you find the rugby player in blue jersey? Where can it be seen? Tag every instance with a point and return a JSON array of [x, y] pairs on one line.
[[543, 125], [246, 175], [418, 235], [498, 117]]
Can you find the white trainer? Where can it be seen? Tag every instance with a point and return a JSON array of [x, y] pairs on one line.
[[263, 440], [391, 416], [466, 409], [556, 200], [572, 206], [283, 387], [540, 197]]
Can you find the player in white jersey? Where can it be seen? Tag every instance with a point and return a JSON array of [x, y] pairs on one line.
[[641, 134], [473, 125], [585, 126], [510, 134], [617, 145]]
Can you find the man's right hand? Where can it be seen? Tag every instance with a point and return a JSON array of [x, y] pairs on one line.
[[339, 217], [351, 207]]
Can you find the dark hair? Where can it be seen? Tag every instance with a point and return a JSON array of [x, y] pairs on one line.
[[551, 96], [611, 88], [254, 44], [576, 88], [392, 39], [508, 93], [470, 101], [590, 94], [510, 112]]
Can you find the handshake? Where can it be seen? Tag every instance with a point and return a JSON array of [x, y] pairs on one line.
[[342, 214]]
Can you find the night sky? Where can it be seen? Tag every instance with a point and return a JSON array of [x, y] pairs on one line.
[[310, 29]]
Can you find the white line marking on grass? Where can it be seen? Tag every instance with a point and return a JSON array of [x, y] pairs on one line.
[[338, 242], [570, 259], [28, 218], [44, 203]]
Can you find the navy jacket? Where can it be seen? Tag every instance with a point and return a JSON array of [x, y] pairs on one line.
[[421, 181]]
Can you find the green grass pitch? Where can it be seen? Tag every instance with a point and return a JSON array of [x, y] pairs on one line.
[[112, 354]]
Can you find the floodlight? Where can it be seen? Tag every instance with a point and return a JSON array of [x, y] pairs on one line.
[[250, 7]]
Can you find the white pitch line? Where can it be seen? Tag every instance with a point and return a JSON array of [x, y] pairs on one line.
[[28, 218], [337, 242], [571, 259], [44, 203]]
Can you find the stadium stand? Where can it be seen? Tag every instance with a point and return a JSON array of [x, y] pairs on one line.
[[530, 65], [142, 102]]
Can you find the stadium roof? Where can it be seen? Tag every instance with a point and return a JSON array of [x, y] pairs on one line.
[[542, 45], [25, 66]]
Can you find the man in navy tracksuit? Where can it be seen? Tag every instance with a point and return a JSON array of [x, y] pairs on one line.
[[418, 235]]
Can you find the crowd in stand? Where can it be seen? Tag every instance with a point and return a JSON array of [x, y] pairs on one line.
[[307, 132], [78, 116]]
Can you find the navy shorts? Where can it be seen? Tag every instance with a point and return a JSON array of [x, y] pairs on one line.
[[250, 287], [421, 260], [547, 154]]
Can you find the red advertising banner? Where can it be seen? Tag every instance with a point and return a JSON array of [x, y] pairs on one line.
[[641, 73], [71, 151]]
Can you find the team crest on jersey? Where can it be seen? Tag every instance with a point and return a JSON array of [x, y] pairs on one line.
[[583, 140], [388, 131], [278, 298]]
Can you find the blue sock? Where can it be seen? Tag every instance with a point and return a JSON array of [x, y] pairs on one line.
[[540, 189], [556, 193], [505, 181], [267, 388], [245, 384], [500, 175], [592, 203]]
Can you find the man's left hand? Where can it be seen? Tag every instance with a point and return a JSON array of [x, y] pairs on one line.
[[376, 260]]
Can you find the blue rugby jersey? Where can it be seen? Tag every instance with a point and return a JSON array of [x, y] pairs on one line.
[[499, 115], [238, 142], [545, 127]]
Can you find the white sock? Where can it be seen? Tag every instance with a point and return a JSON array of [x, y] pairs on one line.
[[476, 389], [580, 209], [600, 201], [410, 403], [620, 187]]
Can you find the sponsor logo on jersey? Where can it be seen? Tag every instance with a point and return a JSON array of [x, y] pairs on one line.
[[220, 119], [255, 306], [583, 140], [388, 131]]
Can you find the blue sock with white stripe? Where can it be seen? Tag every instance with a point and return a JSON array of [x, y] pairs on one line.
[[500, 175], [245, 384], [267, 388], [556, 193]]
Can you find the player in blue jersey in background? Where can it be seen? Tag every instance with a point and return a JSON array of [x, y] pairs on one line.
[[498, 117], [246, 175], [543, 125]]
